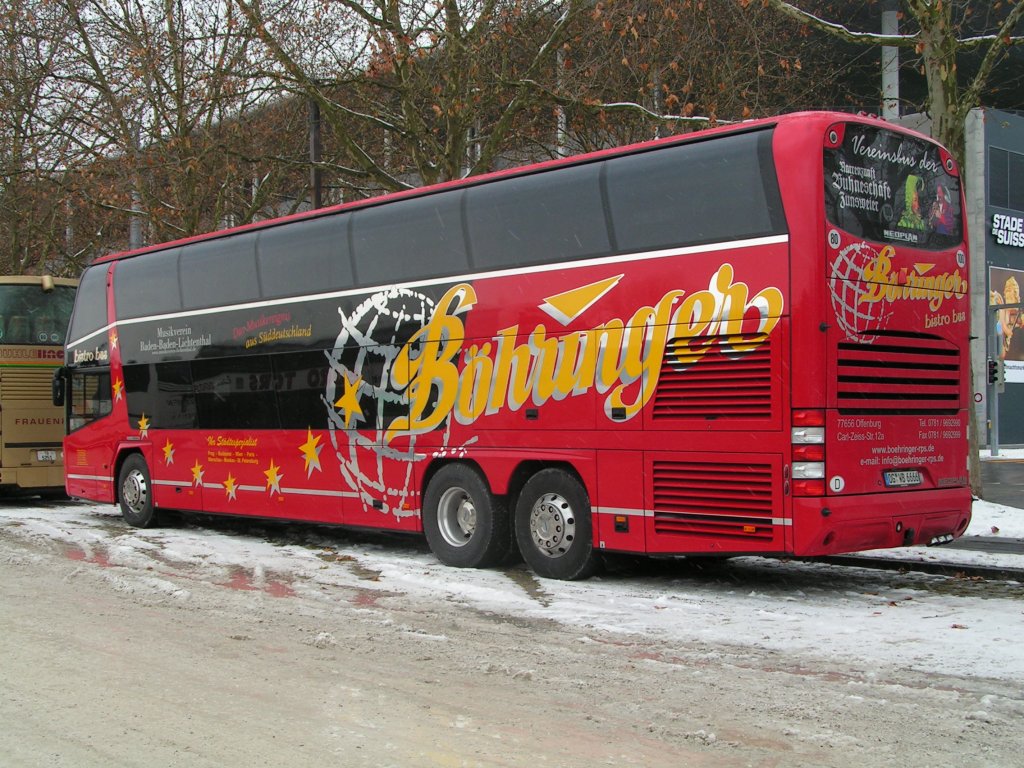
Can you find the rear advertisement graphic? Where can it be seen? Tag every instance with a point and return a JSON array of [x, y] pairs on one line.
[[898, 285]]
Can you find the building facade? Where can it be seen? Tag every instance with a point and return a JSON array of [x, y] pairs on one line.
[[994, 168]]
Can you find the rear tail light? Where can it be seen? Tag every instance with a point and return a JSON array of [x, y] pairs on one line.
[[809, 487], [808, 452], [807, 417]]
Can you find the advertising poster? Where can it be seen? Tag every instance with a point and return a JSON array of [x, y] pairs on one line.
[[1005, 289]]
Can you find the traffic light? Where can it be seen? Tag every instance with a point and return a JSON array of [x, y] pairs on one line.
[[996, 371]]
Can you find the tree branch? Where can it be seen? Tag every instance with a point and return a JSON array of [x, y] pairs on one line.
[[839, 30], [1000, 41]]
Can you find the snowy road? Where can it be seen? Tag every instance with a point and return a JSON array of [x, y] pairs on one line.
[[372, 650]]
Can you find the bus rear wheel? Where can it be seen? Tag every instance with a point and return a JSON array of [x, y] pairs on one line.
[[466, 525], [135, 493], [554, 527]]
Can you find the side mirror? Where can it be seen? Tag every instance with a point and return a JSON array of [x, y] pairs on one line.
[[58, 386]]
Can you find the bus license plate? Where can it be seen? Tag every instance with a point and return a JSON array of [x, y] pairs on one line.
[[902, 478], [46, 455]]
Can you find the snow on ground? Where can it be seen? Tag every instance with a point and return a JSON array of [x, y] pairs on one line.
[[871, 619]]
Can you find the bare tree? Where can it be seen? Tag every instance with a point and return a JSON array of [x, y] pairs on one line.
[[414, 93], [941, 32], [635, 69], [32, 155], [163, 90]]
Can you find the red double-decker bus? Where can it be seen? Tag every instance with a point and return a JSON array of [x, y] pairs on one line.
[[752, 339]]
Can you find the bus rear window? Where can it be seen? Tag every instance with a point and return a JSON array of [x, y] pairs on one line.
[[890, 188]]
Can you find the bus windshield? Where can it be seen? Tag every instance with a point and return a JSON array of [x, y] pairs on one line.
[[30, 315], [891, 188]]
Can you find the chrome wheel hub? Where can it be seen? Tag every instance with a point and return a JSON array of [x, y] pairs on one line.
[[456, 517], [552, 524], [134, 491]]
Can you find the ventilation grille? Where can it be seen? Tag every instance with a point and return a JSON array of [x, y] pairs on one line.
[[705, 382], [713, 500], [899, 374], [32, 384]]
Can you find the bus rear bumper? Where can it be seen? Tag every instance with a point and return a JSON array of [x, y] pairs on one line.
[[832, 525], [28, 478]]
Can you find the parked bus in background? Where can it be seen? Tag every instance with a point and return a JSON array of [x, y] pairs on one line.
[[749, 340], [34, 315]]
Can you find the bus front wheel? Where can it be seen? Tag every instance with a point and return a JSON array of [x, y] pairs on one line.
[[135, 492], [466, 525], [554, 527]]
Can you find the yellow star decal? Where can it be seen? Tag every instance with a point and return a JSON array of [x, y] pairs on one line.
[[143, 426], [168, 452], [311, 452], [118, 389], [113, 340], [349, 402], [197, 474], [273, 479], [230, 488]]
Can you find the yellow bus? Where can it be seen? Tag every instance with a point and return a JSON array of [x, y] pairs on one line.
[[34, 314]]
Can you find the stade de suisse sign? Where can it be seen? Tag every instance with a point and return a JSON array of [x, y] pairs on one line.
[[1008, 230]]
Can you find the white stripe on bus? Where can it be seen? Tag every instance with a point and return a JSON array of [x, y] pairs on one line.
[[622, 512], [101, 478]]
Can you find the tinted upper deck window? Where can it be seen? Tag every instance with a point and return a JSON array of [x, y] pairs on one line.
[[90, 313], [707, 191], [304, 257], [551, 216], [219, 272], [410, 239], [147, 285]]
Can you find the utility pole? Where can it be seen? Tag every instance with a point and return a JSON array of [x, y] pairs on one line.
[[315, 174], [890, 63]]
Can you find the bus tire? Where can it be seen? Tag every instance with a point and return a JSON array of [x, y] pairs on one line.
[[554, 527], [135, 493], [466, 525]]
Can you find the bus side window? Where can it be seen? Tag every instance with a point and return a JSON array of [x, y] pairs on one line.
[[235, 393], [90, 310], [218, 272], [162, 392], [90, 397], [410, 240], [551, 216], [313, 261], [144, 285], [703, 192]]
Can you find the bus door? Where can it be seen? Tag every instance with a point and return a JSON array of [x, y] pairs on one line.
[[88, 459]]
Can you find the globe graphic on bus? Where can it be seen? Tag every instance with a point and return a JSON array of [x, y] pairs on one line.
[[860, 320], [361, 403]]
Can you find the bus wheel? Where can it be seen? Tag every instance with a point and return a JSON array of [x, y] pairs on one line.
[[553, 526], [134, 492], [466, 525]]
